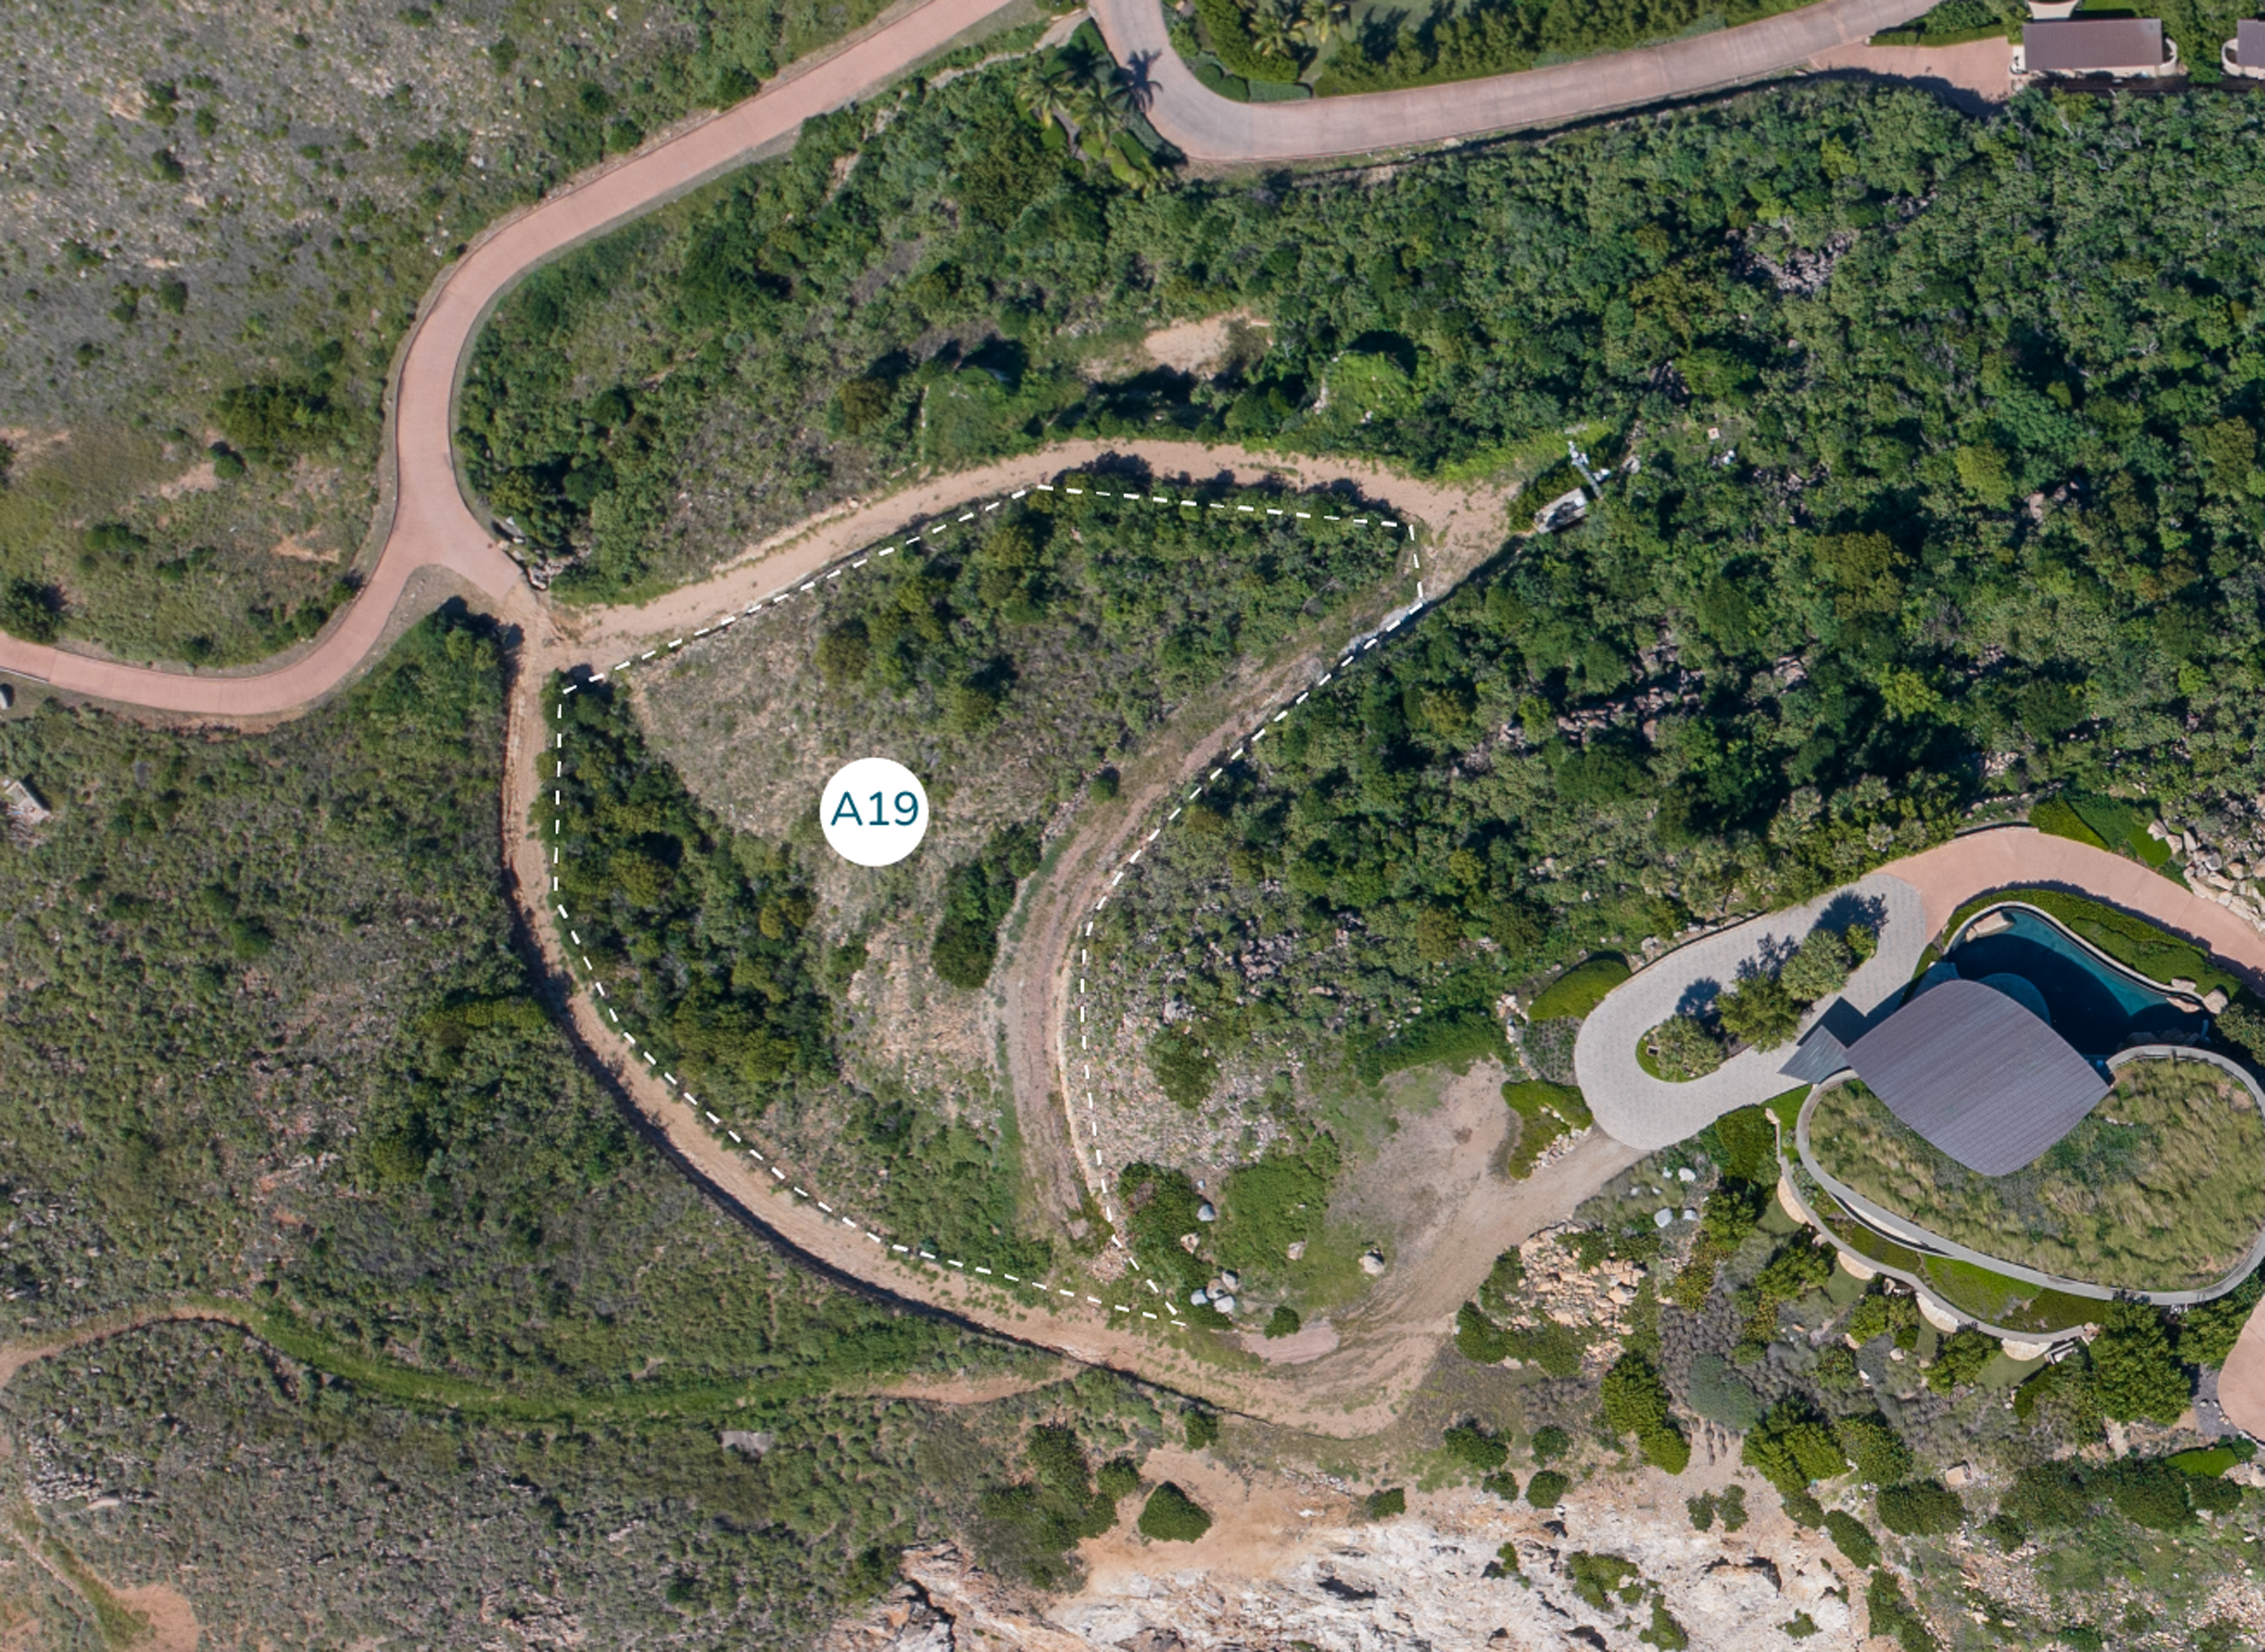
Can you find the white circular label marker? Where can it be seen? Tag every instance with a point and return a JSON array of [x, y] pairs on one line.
[[874, 811]]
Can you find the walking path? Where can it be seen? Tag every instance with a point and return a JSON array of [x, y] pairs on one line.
[[1209, 128], [1651, 1113]]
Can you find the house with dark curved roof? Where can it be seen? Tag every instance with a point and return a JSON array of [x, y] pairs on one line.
[[1979, 1073]]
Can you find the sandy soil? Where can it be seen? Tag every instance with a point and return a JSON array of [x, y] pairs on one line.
[[1260, 1524], [1198, 347], [1974, 76]]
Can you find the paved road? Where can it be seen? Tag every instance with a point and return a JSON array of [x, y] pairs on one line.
[[1651, 1113], [431, 526], [1210, 128]]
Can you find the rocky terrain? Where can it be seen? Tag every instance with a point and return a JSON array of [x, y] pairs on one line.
[[1290, 1565]]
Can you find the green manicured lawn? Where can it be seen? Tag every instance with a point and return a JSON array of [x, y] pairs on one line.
[[2162, 1188], [2133, 941], [1579, 989]]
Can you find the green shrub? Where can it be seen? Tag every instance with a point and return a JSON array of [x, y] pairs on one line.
[[1682, 1048], [1664, 1632], [1550, 1443], [1852, 1538], [1878, 1452], [1170, 1516], [1547, 1489], [2207, 1331], [2153, 1493], [1635, 1401], [1284, 1321], [31, 611], [1792, 1446], [1702, 1511], [1960, 1359], [1202, 1424], [1185, 1070], [1717, 1393], [1818, 968], [1382, 1505], [1501, 1483], [1920, 1507], [1597, 1578], [1478, 1338], [977, 897], [1759, 1011], [1893, 1615], [1732, 1506], [2135, 1375], [844, 652], [1475, 1448]]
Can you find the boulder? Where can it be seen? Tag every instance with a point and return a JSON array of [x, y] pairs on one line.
[[1372, 1262]]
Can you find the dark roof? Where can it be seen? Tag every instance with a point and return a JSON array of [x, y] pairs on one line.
[[1824, 1048], [1977, 1075], [2080, 46], [2249, 43]]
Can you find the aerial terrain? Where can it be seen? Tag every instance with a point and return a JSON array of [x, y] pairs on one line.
[[1572, 952]]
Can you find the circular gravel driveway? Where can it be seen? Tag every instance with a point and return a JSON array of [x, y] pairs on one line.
[[1646, 1112]]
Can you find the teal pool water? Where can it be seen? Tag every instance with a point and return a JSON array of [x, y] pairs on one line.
[[2098, 1007]]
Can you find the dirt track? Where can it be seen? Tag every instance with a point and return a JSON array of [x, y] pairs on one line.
[[430, 539]]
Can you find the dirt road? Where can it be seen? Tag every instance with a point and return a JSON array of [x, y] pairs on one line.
[[426, 522]]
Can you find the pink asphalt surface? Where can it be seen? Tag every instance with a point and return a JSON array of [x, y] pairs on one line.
[[431, 526], [1209, 128]]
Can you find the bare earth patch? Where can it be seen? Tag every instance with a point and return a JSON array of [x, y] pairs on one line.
[[197, 478], [1198, 347]]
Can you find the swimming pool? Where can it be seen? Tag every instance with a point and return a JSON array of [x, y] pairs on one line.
[[2098, 1007]]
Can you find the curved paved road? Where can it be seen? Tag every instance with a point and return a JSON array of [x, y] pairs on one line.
[[1209, 128], [1651, 1113]]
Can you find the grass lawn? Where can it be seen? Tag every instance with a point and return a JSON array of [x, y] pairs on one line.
[[1579, 989], [2162, 1188], [2133, 941]]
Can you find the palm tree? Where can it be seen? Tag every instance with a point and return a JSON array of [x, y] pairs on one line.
[[1274, 31], [1099, 117], [1047, 94], [1321, 21]]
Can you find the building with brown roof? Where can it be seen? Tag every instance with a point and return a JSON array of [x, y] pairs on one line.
[[2094, 48], [2245, 53]]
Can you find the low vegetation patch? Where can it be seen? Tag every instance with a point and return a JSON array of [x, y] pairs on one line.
[[1579, 990], [1170, 1516], [1546, 1112], [2162, 1188]]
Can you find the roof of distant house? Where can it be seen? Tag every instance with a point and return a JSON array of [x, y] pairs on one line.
[[1980, 1077], [2079, 46]]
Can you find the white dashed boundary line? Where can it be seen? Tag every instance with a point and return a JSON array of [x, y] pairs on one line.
[[716, 1125]]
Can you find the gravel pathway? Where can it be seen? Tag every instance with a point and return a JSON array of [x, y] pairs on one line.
[[1651, 1113]]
